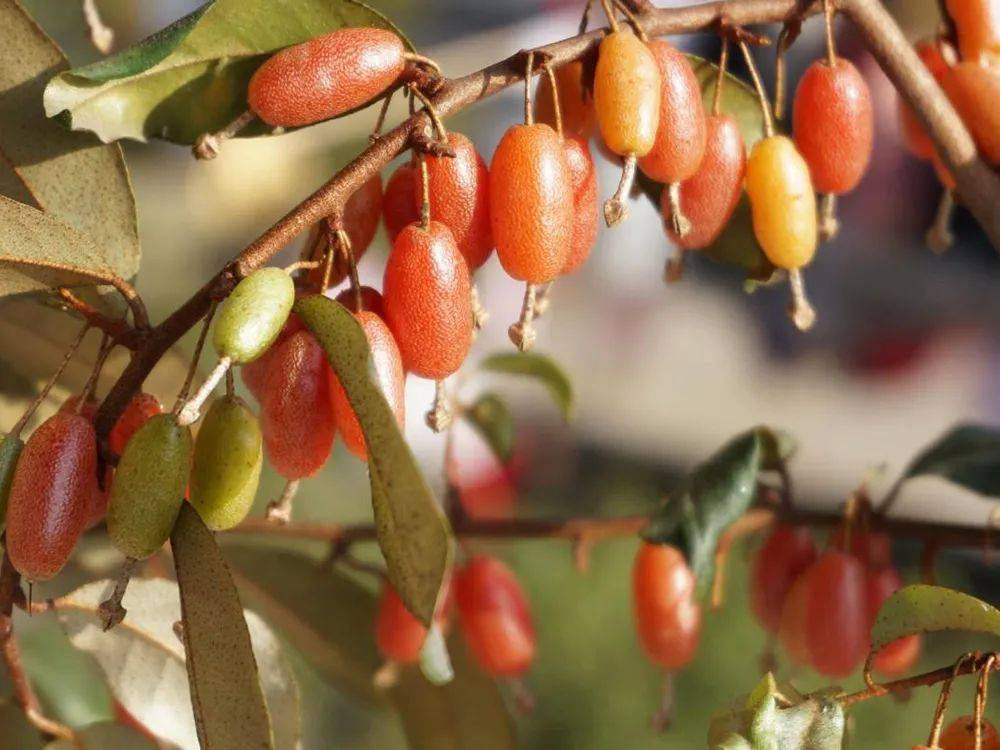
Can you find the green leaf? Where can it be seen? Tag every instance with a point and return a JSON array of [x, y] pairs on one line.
[[707, 501], [492, 419], [929, 609], [739, 100], [776, 447], [228, 702], [15, 729], [191, 77], [538, 366], [737, 245], [412, 530], [968, 455], [74, 178]]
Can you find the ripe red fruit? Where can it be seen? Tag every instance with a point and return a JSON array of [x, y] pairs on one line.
[[872, 548], [494, 617], [326, 76], [710, 195], [583, 178], [389, 374], [576, 105], [51, 494], [296, 418], [361, 217], [427, 300], [255, 372], [978, 26], [833, 125], [960, 735], [786, 553], [460, 198], [899, 656], [916, 139], [680, 135], [136, 414], [667, 616], [792, 627], [836, 614], [401, 202], [88, 411], [399, 635], [371, 300], [975, 91], [531, 203]]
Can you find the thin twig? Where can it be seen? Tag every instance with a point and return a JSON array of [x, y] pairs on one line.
[[33, 406]]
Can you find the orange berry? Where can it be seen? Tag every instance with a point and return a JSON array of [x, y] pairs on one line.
[[833, 125], [710, 195], [667, 616], [326, 76], [915, 137], [978, 26], [399, 635], [531, 203], [460, 199], [961, 735], [627, 94], [576, 105], [681, 133], [975, 92], [401, 202], [136, 414], [361, 216], [427, 300], [388, 373], [371, 300], [583, 178]]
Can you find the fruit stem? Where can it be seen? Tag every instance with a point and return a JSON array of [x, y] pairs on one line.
[[939, 237], [801, 311], [343, 240], [230, 383], [33, 406], [615, 208], [479, 313], [524, 700], [529, 71], [831, 46], [556, 107], [111, 610], [981, 688], [193, 367], [542, 299], [632, 20], [781, 70], [829, 226], [207, 145], [106, 345], [585, 18], [678, 220], [101, 35], [609, 12], [280, 511], [673, 271], [386, 676], [439, 416], [765, 106], [442, 134], [721, 77], [942, 702], [190, 412], [380, 120], [302, 265], [664, 715], [522, 333]]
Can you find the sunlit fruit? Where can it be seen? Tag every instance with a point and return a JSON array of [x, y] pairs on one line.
[[253, 315], [627, 94], [583, 178], [576, 105]]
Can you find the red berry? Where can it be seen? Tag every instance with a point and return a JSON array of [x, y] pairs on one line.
[[531, 203], [494, 617], [978, 26], [833, 125], [139, 410], [681, 134], [51, 494], [399, 635], [786, 553], [361, 217], [792, 628], [255, 372], [88, 411], [898, 657], [710, 195], [836, 614], [296, 418], [427, 300], [975, 91], [667, 616], [915, 137], [872, 548], [371, 300], [389, 374], [401, 202], [961, 735], [583, 179], [460, 198], [326, 76]]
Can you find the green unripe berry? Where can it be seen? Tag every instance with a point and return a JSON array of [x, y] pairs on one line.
[[252, 316], [227, 459], [10, 451], [149, 486]]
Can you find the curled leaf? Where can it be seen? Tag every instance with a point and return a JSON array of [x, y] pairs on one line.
[[537, 366], [927, 609], [491, 418], [968, 455]]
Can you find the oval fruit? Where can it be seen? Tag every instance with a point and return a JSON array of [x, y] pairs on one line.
[[786, 553], [627, 94], [576, 105], [142, 408], [961, 735], [583, 179], [253, 315], [836, 622], [667, 616], [399, 635], [898, 657], [371, 300], [914, 136], [426, 295], [978, 26], [228, 454], [361, 217], [255, 373], [326, 76], [149, 486], [975, 91], [792, 627], [531, 203], [401, 202]]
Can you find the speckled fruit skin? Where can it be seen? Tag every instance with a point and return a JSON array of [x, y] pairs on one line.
[[371, 300], [531, 203], [914, 135], [10, 452], [494, 617], [786, 553], [975, 92], [667, 616], [583, 179], [782, 202], [253, 315], [361, 217], [50, 495], [140, 410], [833, 125], [576, 104], [296, 418], [255, 373], [149, 486], [326, 76], [98, 505], [389, 374], [836, 614], [460, 198], [426, 295], [710, 195], [978, 26], [681, 133], [88, 411], [901, 655], [627, 94], [960, 735], [401, 202]]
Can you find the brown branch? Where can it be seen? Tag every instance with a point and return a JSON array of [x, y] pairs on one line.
[[967, 666], [119, 330]]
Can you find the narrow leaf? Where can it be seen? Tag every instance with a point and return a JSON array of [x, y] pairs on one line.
[[491, 418], [928, 609], [739, 100], [191, 77], [538, 366], [413, 532], [968, 455], [228, 702], [707, 501]]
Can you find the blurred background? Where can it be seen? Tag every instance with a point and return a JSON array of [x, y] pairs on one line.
[[906, 346]]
